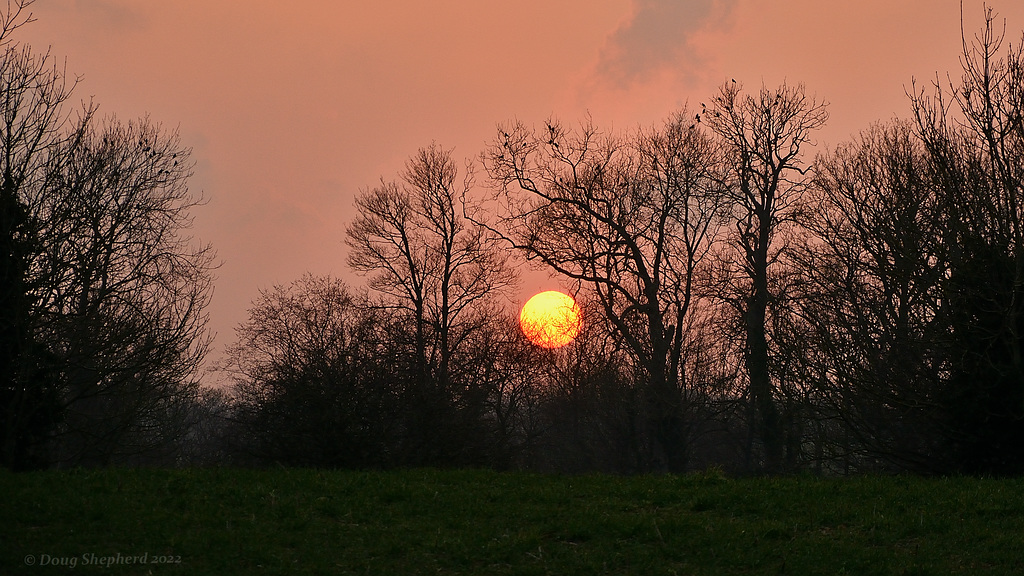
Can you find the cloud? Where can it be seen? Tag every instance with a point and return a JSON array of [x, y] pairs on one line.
[[656, 37]]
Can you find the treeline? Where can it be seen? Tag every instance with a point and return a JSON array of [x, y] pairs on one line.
[[746, 305]]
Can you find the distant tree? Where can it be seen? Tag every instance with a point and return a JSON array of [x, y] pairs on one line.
[[310, 379], [764, 137], [210, 430], [633, 218], [504, 379], [433, 264], [593, 414]]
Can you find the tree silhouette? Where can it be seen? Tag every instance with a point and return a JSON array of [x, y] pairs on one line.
[[122, 289], [103, 294], [764, 136], [632, 217], [870, 296], [430, 261], [310, 383], [33, 119], [979, 171]]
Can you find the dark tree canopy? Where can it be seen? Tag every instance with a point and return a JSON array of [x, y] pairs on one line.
[[103, 292]]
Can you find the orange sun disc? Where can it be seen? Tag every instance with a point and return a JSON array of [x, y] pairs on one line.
[[551, 319]]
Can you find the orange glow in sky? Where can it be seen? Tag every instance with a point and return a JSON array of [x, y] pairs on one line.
[[292, 107]]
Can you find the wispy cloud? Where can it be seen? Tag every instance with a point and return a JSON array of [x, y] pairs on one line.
[[657, 36]]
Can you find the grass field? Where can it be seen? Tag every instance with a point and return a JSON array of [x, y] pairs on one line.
[[226, 521]]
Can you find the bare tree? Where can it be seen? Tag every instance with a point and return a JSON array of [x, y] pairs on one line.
[[973, 132], [870, 299], [120, 288], [764, 136], [633, 218], [34, 131], [911, 290], [13, 17], [104, 292], [311, 379], [431, 262]]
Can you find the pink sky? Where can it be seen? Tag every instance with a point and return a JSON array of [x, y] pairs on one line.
[[292, 107]]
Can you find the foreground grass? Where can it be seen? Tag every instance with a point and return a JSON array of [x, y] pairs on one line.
[[222, 521]]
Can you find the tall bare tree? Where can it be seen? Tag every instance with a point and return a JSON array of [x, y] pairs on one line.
[[870, 300], [34, 130], [122, 288], [103, 291], [633, 218], [973, 131], [430, 261], [764, 135]]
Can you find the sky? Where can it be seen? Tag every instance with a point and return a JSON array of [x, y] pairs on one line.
[[292, 108]]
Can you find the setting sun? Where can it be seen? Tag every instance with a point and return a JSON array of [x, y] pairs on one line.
[[550, 319]]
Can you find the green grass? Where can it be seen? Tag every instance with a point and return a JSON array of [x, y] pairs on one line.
[[223, 521]]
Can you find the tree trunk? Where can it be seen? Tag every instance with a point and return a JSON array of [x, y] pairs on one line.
[[767, 424]]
